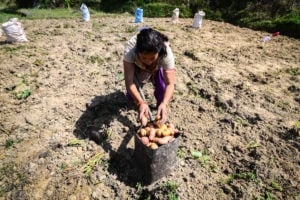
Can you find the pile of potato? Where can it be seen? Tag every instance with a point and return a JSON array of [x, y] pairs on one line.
[[156, 134]]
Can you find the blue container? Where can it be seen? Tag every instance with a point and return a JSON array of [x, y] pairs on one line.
[[138, 15]]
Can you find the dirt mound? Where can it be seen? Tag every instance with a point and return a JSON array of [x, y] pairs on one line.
[[67, 129]]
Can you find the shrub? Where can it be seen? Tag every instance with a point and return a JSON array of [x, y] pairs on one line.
[[165, 10]]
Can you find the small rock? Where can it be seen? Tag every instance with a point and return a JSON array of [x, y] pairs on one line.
[[32, 167], [41, 161], [96, 194], [228, 149], [226, 189]]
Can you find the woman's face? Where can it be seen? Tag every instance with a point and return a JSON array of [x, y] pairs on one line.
[[148, 58]]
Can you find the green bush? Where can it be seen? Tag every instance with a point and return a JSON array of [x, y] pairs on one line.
[[114, 5], [290, 27], [288, 24], [165, 10]]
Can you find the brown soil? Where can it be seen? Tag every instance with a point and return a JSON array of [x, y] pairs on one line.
[[236, 101]]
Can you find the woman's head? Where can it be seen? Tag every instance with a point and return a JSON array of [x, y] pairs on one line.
[[149, 42]]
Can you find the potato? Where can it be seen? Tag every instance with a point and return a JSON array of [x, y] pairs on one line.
[[142, 132], [164, 127], [169, 125], [158, 132], [147, 130], [157, 118], [163, 140], [166, 132], [153, 145], [145, 140], [152, 133], [144, 120], [157, 124]]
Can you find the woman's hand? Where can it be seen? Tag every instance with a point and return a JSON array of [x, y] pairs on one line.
[[162, 112], [143, 110]]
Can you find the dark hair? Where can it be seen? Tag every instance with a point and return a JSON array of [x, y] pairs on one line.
[[151, 41]]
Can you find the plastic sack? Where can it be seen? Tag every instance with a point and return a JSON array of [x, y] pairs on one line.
[[275, 34], [138, 15], [155, 163], [266, 38], [198, 19], [175, 16], [14, 31], [85, 12]]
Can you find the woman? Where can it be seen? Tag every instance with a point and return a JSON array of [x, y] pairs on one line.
[[148, 57]]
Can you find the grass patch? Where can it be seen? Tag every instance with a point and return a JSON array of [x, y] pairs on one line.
[[89, 167], [205, 160], [180, 153], [11, 178], [248, 176], [95, 59], [7, 13], [293, 71], [252, 145], [23, 94], [12, 50], [170, 187], [75, 142]]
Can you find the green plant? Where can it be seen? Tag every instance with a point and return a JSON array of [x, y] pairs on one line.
[[252, 145], [120, 75], [170, 188], [138, 186], [23, 94], [68, 3], [107, 133], [180, 153], [9, 143], [276, 186], [293, 71], [214, 168], [227, 180], [172, 196], [249, 176], [96, 59], [196, 154], [12, 178], [165, 10], [75, 142], [203, 157], [95, 160], [269, 196], [38, 62], [63, 166]]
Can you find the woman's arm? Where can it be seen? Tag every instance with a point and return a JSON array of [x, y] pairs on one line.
[[129, 70], [169, 76]]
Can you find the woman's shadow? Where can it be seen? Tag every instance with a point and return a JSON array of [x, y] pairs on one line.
[[93, 124]]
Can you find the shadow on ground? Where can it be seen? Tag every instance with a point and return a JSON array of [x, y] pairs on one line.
[[93, 124]]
